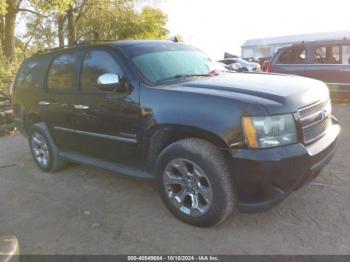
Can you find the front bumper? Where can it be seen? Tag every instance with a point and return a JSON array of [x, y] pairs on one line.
[[264, 177]]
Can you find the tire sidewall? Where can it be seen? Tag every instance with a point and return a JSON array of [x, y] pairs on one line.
[[33, 130], [214, 173]]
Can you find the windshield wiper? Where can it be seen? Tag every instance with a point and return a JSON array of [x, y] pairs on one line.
[[179, 76]]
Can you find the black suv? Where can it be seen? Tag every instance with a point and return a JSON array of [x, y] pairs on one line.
[[328, 61], [214, 141]]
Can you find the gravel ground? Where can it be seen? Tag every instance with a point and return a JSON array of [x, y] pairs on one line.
[[83, 210]]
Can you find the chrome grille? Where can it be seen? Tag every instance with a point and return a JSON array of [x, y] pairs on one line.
[[314, 121], [315, 130], [311, 110]]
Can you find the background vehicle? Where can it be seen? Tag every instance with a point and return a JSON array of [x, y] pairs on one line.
[[268, 46], [214, 143], [236, 67], [229, 55], [328, 61], [246, 66]]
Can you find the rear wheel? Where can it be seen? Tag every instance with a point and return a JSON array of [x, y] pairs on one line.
[[195, 183], [44, 151], [40, 150]]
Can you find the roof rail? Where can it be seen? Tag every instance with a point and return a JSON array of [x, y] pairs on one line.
[[84, 42], [46, 50], [77, 43]]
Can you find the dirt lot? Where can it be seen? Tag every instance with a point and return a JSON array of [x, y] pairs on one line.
[[88, 211]]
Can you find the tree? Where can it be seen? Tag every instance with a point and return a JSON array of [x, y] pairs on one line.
[[49, 20], [59, 9], [12, 8], [122, 21], [40, 33], [3, 11]]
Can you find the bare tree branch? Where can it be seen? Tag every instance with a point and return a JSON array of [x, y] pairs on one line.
[[18, 4], [83, 34], [82, 10], [31, 11]]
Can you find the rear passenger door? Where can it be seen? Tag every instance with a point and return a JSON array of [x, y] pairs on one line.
[[325, 63], [330, 64], [56, 104], [343, 87]]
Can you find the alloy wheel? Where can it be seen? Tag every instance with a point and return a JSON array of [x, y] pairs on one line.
[[40, 149], [188, 187]]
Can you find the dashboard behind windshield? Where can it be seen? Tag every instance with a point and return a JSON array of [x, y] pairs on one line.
[[156, 66]]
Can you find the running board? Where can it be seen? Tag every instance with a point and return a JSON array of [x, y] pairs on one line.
[[106, 165]]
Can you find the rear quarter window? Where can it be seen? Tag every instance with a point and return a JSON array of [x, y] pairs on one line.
[[30, 75]]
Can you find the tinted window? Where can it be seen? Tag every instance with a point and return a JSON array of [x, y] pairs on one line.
[[61, 73], [95, 64], [346, 55], [293, 56], [228, 61], [327, 55], [30, 75]]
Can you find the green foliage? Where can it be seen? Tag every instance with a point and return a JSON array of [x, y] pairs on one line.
[[122, 21], [92, 20], [7, 73], [41, 33], [52, 5], [153, 22], [3, 6]]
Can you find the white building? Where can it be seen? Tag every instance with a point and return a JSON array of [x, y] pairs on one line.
[[266, 47]]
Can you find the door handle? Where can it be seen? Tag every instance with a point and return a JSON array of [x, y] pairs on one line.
[[345, 69], [44, 103], [84, 107]]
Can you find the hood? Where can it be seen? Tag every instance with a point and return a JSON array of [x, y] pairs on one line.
[[277, 93]]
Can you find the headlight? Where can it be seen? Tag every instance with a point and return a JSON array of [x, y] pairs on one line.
[[269, 131]]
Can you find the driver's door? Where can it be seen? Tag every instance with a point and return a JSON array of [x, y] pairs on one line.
[[107, 122]]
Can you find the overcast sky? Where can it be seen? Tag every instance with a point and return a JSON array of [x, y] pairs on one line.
[[216, 26]]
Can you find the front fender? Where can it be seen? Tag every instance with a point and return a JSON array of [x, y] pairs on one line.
[[215, 115]]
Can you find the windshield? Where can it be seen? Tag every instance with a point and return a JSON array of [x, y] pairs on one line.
[[174, 64]]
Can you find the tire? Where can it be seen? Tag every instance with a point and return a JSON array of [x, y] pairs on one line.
[[44, 150], [210, 198]]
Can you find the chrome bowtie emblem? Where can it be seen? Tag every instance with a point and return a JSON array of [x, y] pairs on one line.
[[324, 114]]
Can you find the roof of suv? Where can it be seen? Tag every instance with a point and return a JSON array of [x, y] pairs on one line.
[[323, 42], [124, 44]]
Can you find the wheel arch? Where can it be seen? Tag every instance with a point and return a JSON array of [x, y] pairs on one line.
[[30, 119], [160, 136]]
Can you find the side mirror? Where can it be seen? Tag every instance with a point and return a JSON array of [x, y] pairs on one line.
[[108, 82]]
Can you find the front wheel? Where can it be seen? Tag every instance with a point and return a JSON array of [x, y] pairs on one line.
[[195, 183]]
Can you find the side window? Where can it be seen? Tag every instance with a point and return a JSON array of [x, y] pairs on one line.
[[30, 75], [346, 55], [61, 73], [293, 56], [96, 63], [327, 55]]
